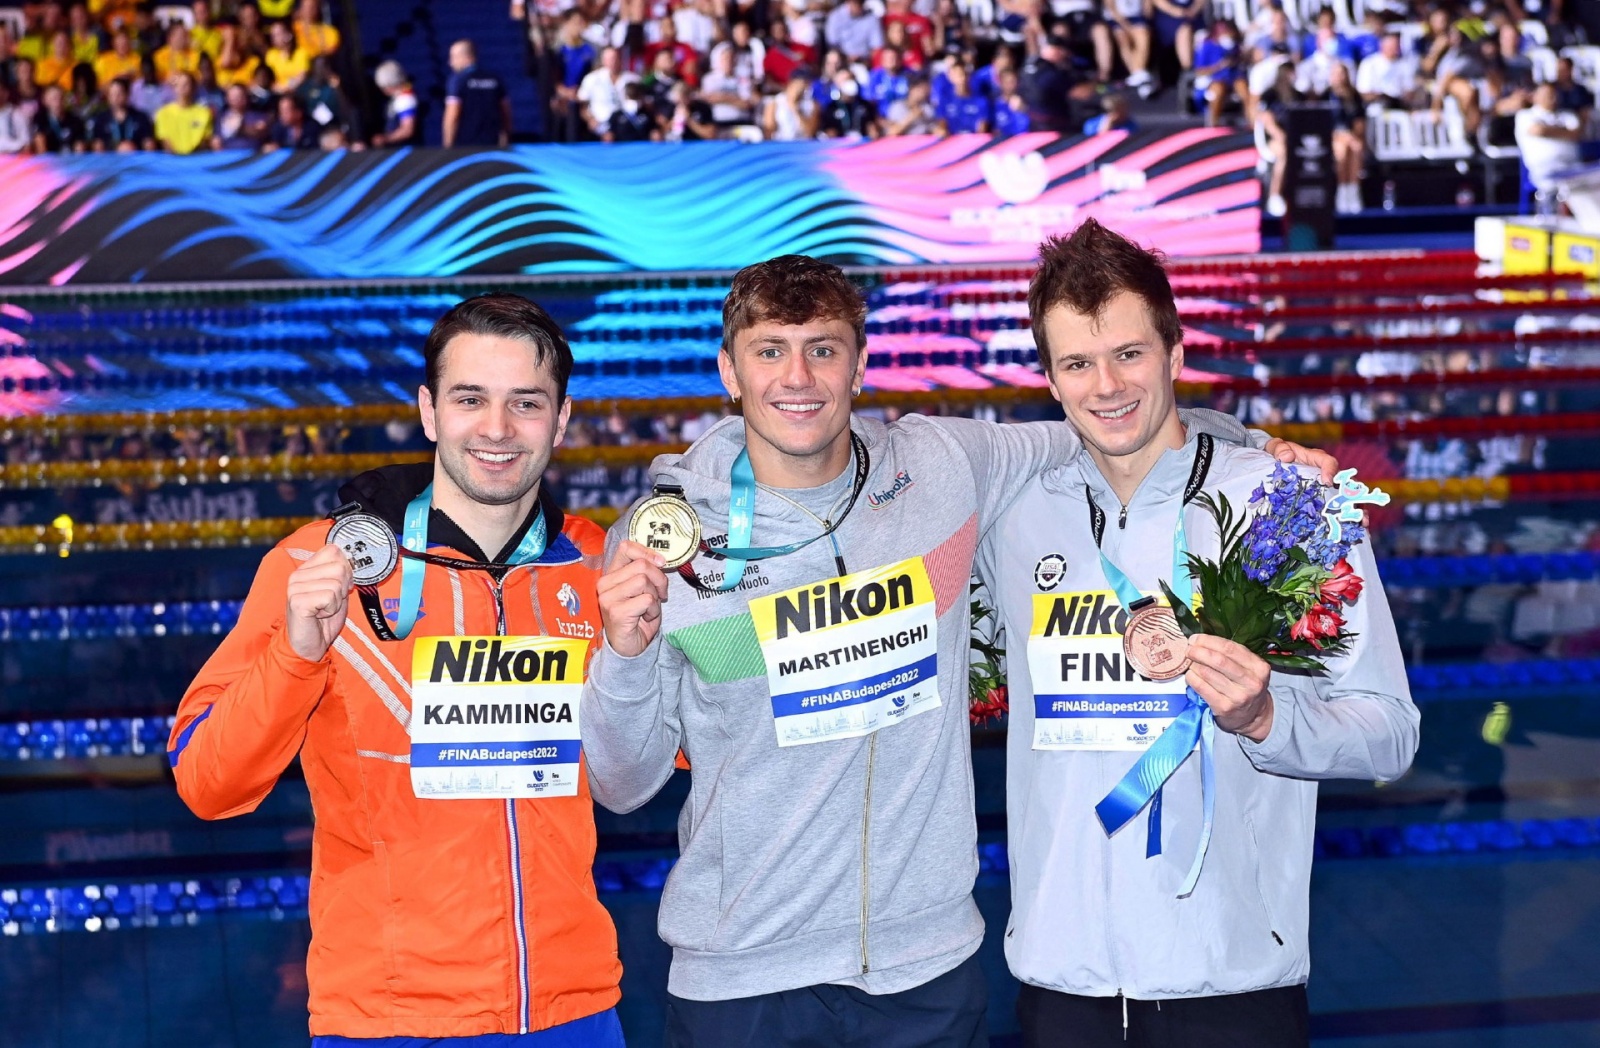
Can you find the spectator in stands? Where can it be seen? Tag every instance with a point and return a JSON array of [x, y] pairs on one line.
[[1085, 32], [121, 61], [749, 54], [628, 35], [1326, 39], [1175, 24], [986, 79], [1548, 138], [729, 95], [854, 30], [601, 92], [1010, 111], [633, 121], [1279, 38], [149, 92], [1349, 138], [238, 125], [803, 21], [287, 59], [846, 114], [888, 82], [669, 44], [696, 23], [914, 114], [39, 28], [252, 36], [8, 52], [894, 39], [575, 57], [16, 128], [56, 128], [477, 111], [206, 89], [85, 37], [963, 110], [203, 32], [1047, 84], [1117, 116], [402, 123], [791, 114], [1131, 31], [120, 128], [183, 125], [951, 34], [1389, 77], [55, 68], [179, 55], [84, 98], [660, 81], [294, 129], [262, 97], [784, 56], [917, 27], [1217, 77], [316, 38], [327, 107], [687, 119], [1271, 115], [1571, 96], [234, 64], [1369, 41]]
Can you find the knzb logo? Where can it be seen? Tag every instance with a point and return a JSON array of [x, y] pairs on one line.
[[1048, 573], [567, 597]]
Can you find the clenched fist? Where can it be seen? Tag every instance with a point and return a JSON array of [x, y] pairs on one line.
[[631, 592], [319, 594]]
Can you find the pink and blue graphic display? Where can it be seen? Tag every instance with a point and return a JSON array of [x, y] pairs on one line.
[[592, 209]]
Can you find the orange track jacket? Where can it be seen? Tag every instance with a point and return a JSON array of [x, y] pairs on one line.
[[429, 918]]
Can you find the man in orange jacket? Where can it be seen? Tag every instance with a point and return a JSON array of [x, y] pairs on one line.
[[431, 693]]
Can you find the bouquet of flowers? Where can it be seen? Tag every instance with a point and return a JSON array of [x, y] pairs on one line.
[[986, 672], [1282, 578]]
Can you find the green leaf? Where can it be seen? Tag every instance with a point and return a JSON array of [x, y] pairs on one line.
[[1302, 663], [1180, 611]]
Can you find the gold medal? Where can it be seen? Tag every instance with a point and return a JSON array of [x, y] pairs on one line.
[[1154, 644], [667, 524]]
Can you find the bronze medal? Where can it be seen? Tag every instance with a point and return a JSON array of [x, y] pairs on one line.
[[668, 525], [1154, 644]]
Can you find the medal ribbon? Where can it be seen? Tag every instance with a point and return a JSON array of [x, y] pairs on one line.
[[1195, 725], [742, 518], [415, 542]]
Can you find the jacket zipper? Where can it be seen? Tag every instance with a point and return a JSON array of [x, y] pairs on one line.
[[866, 830], [519, 921], [1111, 944], [1122, 518]]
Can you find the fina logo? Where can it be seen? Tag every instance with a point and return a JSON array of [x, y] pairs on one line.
[[1141, 729], [1015, 179], [567, 597]]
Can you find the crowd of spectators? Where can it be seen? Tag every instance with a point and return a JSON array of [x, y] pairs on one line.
[[107, 76]]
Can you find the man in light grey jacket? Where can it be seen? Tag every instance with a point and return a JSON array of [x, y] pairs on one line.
[[811, 664], [1108, 952]]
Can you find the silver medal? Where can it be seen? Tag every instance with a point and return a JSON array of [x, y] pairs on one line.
[[370, 545]]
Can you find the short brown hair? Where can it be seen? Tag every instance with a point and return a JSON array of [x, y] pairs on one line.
[[1087, 269], [502, 315], [791, 289]]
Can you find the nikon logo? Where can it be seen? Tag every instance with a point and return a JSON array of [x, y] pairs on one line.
[[833, 604], [485, 662], [1077, 616]]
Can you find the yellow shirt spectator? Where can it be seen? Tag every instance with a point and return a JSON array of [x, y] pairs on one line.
[[287, 69], [316, 38], [207, 39], [182, 129], [272, 10], [112, 66], [85, 47], [169, 61], [55, 71], [244, 74], [111, 13]]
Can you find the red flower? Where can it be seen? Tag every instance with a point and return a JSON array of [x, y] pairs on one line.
[[1345, 585], [991, 705], [1320, 623]]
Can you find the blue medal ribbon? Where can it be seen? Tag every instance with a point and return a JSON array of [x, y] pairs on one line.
[[415, 541], [1194, 726]]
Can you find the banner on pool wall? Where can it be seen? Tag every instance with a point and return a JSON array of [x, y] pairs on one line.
[[570, 209]]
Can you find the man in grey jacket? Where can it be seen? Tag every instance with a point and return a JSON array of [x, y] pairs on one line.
[[1108, 952], [811, 664]]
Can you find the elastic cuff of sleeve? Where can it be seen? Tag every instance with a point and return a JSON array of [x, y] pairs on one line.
[[292, 662], [1277, 738]]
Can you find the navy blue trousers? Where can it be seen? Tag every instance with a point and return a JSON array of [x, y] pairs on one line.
[[1264, 1019], [948, 1012]]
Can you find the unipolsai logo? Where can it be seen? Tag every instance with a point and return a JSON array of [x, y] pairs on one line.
[[1141, 729], [1015, 179]]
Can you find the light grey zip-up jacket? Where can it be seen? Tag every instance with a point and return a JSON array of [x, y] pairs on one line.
[[845, 861], [1092, 915]]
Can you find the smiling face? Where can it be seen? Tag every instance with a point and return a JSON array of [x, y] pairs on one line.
[[497, 417], [795, 381], [1113, 377]]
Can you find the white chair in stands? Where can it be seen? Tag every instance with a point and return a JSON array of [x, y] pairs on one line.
[[1585, 65], [1235, 11], [166, 14], [12, 18], [1544, 63], [1534, 33], [746, 133], [1441, 136], [1391, 135]]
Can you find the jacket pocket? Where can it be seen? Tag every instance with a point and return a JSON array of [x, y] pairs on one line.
[[1255, 876]]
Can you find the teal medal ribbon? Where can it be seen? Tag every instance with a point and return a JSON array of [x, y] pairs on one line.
[[742, 517], [414, 557], [1142, 784]]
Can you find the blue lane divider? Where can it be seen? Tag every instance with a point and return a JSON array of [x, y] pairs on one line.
[[1474, 681], [94, 621], [173, 903], [1481, 570], [82, 737]]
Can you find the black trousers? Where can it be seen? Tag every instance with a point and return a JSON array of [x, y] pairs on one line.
[[1265, 1019], [948, 1012]]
